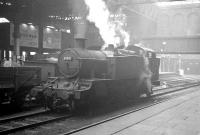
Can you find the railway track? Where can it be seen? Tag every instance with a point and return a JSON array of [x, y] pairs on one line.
[[21, 116], [129, 112], [172, 89], [19, 123], [176, 82]]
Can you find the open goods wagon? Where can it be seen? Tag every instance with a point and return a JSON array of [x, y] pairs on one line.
[[16, 83]]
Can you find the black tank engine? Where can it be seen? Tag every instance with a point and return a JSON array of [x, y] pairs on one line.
[[90, 76]]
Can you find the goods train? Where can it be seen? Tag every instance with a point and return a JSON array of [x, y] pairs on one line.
[[16, 83], [92, 76]]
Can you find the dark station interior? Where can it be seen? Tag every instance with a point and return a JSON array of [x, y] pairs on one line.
[[99, 67]]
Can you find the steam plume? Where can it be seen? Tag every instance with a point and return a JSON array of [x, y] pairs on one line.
[[109, 30]]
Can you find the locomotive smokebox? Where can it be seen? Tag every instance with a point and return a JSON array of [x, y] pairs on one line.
[[80, 42]]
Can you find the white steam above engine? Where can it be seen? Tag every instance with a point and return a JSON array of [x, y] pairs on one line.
[[110, 30]]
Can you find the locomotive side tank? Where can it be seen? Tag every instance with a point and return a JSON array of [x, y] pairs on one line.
[[76, 62], [90, 76]]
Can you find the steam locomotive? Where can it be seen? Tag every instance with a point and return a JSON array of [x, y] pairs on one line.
[[91, 76]]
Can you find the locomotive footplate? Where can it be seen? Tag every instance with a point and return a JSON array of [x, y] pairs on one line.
[[63, 91]]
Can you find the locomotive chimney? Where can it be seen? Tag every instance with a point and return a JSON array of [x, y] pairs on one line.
[[80, 42]]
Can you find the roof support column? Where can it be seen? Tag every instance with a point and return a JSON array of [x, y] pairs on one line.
[[40, 38], [16, 47]]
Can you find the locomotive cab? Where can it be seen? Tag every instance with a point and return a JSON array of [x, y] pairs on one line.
[[153, 61]]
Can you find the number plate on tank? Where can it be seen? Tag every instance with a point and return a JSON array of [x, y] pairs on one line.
[[67, 58]]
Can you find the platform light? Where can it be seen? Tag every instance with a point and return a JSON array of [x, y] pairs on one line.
[[164, 43], [32, 27], [8, 4], [48, 30], [10, 54], [68, 31], [4, 20], [4, 53], [32, 53], [24, 54], [51, 27], [70, 17], [24, 25]]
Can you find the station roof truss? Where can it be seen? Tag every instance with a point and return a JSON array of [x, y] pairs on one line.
[[35, 11], [44, 11]]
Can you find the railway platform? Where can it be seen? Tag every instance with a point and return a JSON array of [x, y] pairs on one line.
[[178, 116]]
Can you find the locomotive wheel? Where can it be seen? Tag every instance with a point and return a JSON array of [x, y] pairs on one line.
[[137, 94], [75, 106], [40, 99], [18, 97], [51, 102], [17, 101], [72, 105], [148, 87], [149, 93]]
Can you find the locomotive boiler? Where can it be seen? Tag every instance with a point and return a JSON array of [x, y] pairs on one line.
[[92, 76]]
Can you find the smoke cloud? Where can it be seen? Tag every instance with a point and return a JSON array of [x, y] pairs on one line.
[[110, 30]]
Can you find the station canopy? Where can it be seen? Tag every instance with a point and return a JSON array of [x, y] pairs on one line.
[[37, 11]]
